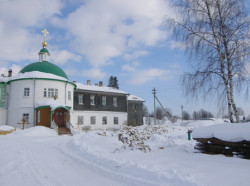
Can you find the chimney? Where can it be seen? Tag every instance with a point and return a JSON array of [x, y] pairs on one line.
[[74, 81], [88, 82], [100, 84], [96, 84], [9, 73]]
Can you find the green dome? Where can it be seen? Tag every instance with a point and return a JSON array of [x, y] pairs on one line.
[[45, 67], [44, 50]]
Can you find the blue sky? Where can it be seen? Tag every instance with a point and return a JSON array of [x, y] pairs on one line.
[[96, 39]]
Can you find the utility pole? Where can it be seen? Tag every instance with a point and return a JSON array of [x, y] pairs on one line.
[[154, 92], [182, 112]]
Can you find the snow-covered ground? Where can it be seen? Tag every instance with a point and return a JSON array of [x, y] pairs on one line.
[[150, 155]]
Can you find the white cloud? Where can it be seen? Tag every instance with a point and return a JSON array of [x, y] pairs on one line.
[[94, 73], [106, 29], [18, 19], [135, 54], [146, 75], [63, 56], [15, 70], [131, 67]]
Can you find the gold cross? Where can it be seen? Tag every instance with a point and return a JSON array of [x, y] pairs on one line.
[[45, 32]]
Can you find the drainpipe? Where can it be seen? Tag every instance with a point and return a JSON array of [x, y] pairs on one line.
[[34, 100], [7, 102], [66, 92]]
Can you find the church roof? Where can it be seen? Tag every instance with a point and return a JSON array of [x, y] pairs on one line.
[[44, 50], [45, 67]]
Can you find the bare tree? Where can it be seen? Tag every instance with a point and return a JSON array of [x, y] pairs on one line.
[[144, 111], [186, 115], [159, 113], [216, 34]]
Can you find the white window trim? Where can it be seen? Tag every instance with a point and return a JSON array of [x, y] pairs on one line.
[[78, 120], [115, 101], [104, 103], [94, 119], [92, 97], [26, 92], [80, 95]]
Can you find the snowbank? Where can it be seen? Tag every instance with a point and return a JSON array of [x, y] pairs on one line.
[[36, 131], [226, 132], [6, 128]]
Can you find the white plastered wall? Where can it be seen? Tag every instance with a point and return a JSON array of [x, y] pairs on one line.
[[2, 116], [19, 104], [122, 119]]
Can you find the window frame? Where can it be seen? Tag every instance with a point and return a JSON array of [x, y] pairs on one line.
[[26, 117], [92, 100], [26, 92], [69, 95], [115, 102], [92, 120], [78, 120], [104, 120], [116, 119], [80, 96], [104, 100]]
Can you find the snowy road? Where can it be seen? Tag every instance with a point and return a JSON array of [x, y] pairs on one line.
[[32, 160]]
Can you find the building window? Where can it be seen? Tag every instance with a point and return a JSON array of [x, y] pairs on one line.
[[52, 92], [116, 120], [92, 120], [26, 117], [115, 101], [134, 106], [26, 92], [92, 100], [80, 120], [104, 100], [44, 92], [69, 95], [80, 99], [104, 120]]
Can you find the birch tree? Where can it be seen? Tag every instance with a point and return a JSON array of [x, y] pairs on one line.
[[216, 35]]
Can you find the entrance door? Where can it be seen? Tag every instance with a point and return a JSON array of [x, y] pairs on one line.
[[60, 117]]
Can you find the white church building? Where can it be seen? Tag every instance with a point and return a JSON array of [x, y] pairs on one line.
[[41, 94]]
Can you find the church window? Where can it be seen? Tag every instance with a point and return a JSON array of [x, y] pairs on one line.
[[69, 95], [26, 117], [80, 99], [80, 120], [116, 120], [115, 101], [92, 120], [104, 120], [92, 100], [104, 100], [52, 92], [45, 92], [26, 92]]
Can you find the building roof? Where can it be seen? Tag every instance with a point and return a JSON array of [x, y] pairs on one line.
[[44, 50], [100, 88], [45, 67], [134, 98], [34, 74]]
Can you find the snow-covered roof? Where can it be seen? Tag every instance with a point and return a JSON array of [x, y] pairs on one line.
[[34, 74], [99, 88], [134, 98], [227, 132], [53, 104]]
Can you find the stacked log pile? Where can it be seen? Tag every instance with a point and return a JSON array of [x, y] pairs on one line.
[[217, 146]]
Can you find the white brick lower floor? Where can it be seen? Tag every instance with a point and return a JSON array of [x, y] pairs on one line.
[[98, 119]]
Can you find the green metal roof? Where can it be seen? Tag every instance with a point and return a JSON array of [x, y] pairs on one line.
[[44, 50], [45, 67]]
